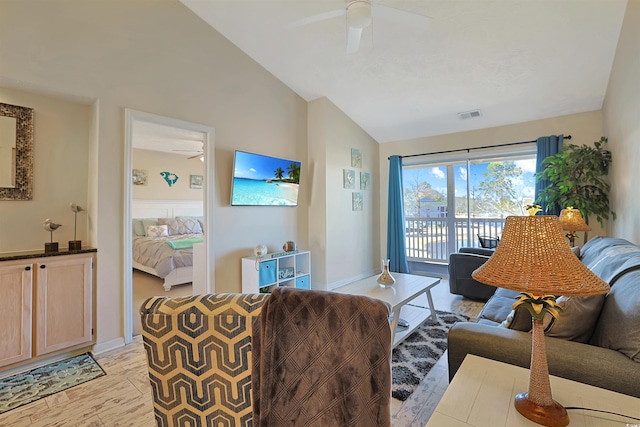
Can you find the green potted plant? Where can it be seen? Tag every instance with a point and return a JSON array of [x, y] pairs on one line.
[[578, 178]]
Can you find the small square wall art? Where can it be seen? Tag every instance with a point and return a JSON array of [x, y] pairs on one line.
[[356, 158], [349, 178], [365, 180], [195, 181], [140, 177], [356, 202]]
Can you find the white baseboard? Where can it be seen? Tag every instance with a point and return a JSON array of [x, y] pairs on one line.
[[331, 286], [108, 346]]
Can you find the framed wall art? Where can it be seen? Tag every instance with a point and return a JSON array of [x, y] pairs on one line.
[[195, 181], [140, 177], [365, 180], [349, 178], [356, 158], [356, 202]]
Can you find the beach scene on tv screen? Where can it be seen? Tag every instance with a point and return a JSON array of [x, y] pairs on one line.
[[264, 181]]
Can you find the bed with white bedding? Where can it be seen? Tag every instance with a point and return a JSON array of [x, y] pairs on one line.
[[163, 245]]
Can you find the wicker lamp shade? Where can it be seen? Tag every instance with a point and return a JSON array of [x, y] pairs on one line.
[[571, 220], [534, 257]]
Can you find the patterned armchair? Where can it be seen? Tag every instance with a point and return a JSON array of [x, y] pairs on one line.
[[199, 358]]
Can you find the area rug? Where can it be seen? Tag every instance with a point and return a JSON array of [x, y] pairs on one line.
[[26, 387], [413, 358]]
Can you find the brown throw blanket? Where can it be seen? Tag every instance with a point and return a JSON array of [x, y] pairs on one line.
[[321, 359]]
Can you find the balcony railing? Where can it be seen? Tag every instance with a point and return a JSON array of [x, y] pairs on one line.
[[427, 239]]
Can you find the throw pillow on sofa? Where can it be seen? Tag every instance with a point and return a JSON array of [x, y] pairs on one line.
[[578, 316], [619, 324]]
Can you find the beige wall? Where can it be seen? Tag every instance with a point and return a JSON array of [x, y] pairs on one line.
[[108, 55], [585, 128], [621, 113], [61, 150], [164, 60], [343, 242], [157, 188]]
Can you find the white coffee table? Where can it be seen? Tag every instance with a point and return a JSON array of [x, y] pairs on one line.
[[481, 395], [406, 288]]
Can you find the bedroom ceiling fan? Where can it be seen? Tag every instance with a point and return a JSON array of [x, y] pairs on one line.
[[200, 153], [359, 15]]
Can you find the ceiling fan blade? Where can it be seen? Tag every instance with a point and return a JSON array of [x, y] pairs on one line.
[[353, 39], [194, 157], [316, 18]]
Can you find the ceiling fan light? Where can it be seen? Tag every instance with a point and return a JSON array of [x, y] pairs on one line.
[[359, 14]]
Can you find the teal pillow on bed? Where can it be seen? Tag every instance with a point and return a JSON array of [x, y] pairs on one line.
[[138, 227]]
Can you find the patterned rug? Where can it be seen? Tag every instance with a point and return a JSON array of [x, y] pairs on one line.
[[412, 360], [26, 387]]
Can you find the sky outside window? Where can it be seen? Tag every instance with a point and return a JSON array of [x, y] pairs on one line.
[[436, 177]]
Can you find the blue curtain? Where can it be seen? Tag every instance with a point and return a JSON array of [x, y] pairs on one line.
[[396, 250], [546, 146]]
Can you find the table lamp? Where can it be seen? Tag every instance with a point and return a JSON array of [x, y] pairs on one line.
[[533, 257], [572, 221]]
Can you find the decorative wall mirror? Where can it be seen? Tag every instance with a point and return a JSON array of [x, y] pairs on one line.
[[16, 152]]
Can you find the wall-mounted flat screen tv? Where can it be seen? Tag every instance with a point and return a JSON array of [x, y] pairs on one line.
[[260, 180]]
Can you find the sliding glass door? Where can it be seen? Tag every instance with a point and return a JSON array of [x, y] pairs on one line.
[[452, 204]]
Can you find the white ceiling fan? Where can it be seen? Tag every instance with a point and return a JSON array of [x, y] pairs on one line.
[[199, 153], [359, 15]]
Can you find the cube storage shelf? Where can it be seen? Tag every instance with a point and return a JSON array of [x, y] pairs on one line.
[[291, 269]]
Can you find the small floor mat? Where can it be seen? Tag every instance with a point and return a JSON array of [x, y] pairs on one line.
[[26, 387]]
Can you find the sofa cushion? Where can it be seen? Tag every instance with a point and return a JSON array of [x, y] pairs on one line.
[[610, 258], [618, 327], [578, 317], [498, 311], [577, 320]]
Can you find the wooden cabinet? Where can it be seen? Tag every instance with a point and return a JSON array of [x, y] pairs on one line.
[[46, 305], [16, 287], [281, 269], [63, 302]]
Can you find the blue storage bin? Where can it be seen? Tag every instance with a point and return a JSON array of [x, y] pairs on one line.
[[302, 282], [267, 273]]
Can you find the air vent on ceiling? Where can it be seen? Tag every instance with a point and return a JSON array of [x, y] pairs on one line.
[[469, 114]]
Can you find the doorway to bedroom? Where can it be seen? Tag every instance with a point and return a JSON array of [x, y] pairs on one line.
[[168, 186]]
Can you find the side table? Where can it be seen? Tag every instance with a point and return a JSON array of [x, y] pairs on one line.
[[481, 395]]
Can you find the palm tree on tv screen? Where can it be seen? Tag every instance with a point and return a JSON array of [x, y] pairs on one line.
[[294, 172], [279, 173]]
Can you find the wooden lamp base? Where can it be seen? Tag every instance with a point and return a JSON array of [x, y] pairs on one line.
[[551, 416]]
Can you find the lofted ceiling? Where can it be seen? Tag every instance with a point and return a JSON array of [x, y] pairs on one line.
[[513, 60]]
